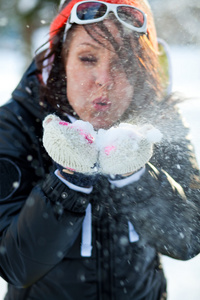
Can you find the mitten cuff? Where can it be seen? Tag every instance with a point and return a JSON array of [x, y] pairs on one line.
[[58, 193], [78, 179], [123, 181], [73, 186]]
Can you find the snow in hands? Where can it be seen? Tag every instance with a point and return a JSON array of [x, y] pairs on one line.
[[118, 150]]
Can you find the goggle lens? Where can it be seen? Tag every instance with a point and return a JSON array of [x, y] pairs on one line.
[[131, 16], [91, 11]]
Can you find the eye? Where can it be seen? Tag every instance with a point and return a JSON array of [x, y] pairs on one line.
[[88, 59]]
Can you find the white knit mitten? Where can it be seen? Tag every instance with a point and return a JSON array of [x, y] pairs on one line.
[[70, 145], [126, 148]]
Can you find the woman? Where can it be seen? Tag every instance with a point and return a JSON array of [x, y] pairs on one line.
[[80, 218]]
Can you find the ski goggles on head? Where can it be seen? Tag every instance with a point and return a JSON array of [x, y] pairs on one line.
[[87, 12]]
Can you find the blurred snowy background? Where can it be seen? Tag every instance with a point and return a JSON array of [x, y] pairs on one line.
[[178, 23]]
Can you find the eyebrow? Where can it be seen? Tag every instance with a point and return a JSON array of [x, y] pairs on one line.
[[88, 44]]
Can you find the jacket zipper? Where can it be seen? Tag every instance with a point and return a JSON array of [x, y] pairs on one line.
[[98, 253], [111, 269]]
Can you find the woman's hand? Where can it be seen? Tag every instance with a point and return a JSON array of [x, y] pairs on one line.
[[77, 148], [70, 145], [127, 148]]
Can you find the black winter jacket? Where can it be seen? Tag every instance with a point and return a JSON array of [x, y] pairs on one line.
[[43, 252]]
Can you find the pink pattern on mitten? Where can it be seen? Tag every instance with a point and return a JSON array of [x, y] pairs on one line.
[[88, 137], [108, 149], [64, 123]]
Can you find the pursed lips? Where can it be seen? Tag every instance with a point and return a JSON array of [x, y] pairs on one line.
[[101, 104]]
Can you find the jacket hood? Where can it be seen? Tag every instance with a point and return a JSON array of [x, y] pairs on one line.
[[27, 92]]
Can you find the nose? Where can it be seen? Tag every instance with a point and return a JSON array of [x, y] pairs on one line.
[[103, 76]]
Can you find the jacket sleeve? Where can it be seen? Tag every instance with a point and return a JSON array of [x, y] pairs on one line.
[[173, 214], [39, 220], [162, 215], [175, 154]]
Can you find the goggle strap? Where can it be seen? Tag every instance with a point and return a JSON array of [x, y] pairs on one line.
[[67, 27]]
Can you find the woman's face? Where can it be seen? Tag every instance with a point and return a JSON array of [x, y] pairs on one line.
[[97, 86]]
